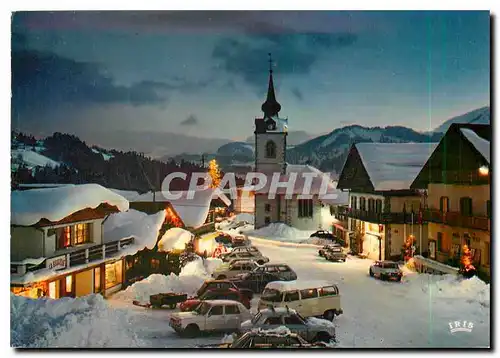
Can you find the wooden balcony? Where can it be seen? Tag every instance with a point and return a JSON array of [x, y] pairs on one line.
[[457, 219], [375, 217], [76, 257]]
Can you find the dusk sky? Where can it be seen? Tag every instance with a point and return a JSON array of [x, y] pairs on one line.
[[205, 73]]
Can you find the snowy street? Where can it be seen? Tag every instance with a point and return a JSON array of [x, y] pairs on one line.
[[414, 313]]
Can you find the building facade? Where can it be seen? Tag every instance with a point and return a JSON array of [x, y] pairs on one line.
[[458, 212], [383, 211], [67, 257]]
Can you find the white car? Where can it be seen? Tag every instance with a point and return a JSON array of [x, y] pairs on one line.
[[242, 249], [386, 270], [235, 267], [246, 254], [209, 316], [311, 329]]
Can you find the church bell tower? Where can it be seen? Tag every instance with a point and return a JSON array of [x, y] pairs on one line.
[[270, 134]]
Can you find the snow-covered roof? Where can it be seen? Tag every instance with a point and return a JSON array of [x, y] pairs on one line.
[[482, 145], [132, 223], [174, 238], [333, 196], [130, 195], [28, 207], [297, 285], [394, 166]]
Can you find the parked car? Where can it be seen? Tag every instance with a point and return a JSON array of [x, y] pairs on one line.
[[223, 285], [321, 252], [216, 315], [246, 254], [241, 249], [282, 271], [309, 298], [322, 234], [254, 281], [335, 254], [232, 294], [223, 238], [263, 339], [239, 241], [311, 329], [235, 267], [386, 270]]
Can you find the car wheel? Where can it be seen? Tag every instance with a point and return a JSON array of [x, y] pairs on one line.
[[191, 331], [371, 273], [329, 315], [261, 262], [221, 277], [322, 337], [399, 279]]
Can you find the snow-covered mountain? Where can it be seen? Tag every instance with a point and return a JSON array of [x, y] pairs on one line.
[[328, 152], [477, 116], [293, 138]]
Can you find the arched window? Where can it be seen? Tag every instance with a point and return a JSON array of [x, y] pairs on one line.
[[270, 149]]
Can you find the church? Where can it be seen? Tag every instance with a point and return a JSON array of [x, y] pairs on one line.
[[312, 213]]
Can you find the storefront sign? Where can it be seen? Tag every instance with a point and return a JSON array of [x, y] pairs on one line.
[[56, 263]]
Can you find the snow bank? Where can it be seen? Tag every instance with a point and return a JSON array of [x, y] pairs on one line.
[[281, 232], [85, 322], [321, 322], [189, 281], [30, 206], [132, 223], [174, 238], [451, 287]]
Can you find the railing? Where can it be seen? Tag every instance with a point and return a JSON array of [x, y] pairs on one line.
[[452, 218], [78, 257], [375, 217]]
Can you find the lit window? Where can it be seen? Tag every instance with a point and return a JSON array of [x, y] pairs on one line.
[[69, 284]]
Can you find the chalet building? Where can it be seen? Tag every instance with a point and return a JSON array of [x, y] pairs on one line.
[[57, 244], [311, 213], [457, 178], [383, 210]]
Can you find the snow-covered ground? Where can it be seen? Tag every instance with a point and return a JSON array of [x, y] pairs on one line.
[[415, 313]]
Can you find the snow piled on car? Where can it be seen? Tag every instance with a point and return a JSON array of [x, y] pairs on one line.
[[189, 281], [84, 322]]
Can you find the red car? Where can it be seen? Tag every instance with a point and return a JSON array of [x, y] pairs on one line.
[[229, 294]]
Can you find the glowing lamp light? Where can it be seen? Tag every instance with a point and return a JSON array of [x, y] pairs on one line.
[[484, 170]]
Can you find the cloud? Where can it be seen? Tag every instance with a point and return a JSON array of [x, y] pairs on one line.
[[43, 80], [293, 53], [298, 94], [191, 120]]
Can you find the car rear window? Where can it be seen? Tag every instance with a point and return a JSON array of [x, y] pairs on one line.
[[391, 265], [283, 268]]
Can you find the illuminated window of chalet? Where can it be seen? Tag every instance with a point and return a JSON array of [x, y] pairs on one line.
[[155, 264], [69, 284], [444, 204], [64, 237], [82, 233]]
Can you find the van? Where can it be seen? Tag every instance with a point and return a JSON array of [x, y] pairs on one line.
[[309, 298]]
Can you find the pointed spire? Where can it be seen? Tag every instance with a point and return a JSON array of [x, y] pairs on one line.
[[270, 107]]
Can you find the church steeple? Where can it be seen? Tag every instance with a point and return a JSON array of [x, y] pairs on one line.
[[270, 107]]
